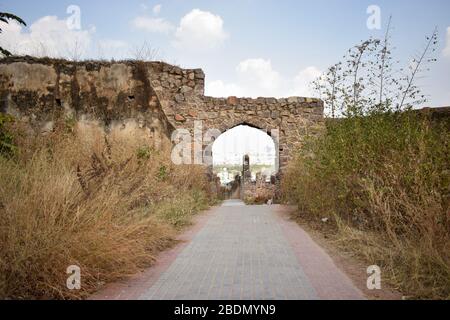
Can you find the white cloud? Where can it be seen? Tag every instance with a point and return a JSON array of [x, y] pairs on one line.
[[257, 75], [220, 89], [112, 44], [199, 31], [446, 51], [303, 80], [156, 25], [48, 36], [257, 78], [108, 49], [157, 9]]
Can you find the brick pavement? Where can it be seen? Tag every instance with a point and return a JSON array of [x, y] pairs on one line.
[[241, 252]]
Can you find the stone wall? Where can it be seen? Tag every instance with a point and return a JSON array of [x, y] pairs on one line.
[[287, 120], [115, 95], [290, 119], [155, 96]]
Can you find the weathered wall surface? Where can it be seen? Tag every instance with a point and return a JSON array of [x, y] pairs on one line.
[[116, 95], [155, 96], [290, 119]]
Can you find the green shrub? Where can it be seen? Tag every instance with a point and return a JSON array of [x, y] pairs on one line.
[[178, 211], [162, 173], [143, 153], [383, 182]]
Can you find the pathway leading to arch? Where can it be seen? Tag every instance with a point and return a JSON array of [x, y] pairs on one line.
[[241, 252]]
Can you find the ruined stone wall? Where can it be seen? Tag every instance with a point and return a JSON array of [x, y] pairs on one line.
[[292, 119], [115, 95], [154, 96]]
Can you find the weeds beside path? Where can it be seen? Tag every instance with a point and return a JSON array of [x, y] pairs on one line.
[[77, 197], [381, 183]]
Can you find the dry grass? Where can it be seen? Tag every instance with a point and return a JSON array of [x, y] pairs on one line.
[[259, 194], [383, 181], [107, 205]]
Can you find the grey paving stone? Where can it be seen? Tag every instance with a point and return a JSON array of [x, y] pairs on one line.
[[241, 253]]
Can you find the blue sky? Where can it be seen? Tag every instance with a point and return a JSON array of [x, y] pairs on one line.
[[247, 47]]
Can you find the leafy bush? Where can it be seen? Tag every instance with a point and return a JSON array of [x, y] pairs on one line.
[[384, 182], [380, 173]]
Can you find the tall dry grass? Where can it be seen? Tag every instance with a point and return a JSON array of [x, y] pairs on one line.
[[107, 204], [383, 181]]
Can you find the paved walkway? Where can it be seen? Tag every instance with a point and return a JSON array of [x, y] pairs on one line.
[[240, 254], [247, 252]]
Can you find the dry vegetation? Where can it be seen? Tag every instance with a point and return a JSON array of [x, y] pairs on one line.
[[259, 194], [77, 197], [383, 182], [381, 173]]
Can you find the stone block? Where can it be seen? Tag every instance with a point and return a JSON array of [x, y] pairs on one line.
[[193, 113], [179, 118], [179, 98], [232, 101], [185, 89], [199, 74]]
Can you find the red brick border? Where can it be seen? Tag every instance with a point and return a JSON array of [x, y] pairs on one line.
[[327, 279]]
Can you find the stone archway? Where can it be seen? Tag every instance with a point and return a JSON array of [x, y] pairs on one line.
[[291, 119], [156, 95]]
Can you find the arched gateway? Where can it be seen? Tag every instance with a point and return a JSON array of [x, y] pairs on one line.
[[288, 120], [158, 96]]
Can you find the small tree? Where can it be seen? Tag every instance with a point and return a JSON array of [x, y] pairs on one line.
[[411, 93], [327, 86], [6, 17], [366, 82]]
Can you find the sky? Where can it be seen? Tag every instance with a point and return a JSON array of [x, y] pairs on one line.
[[246, 48]]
